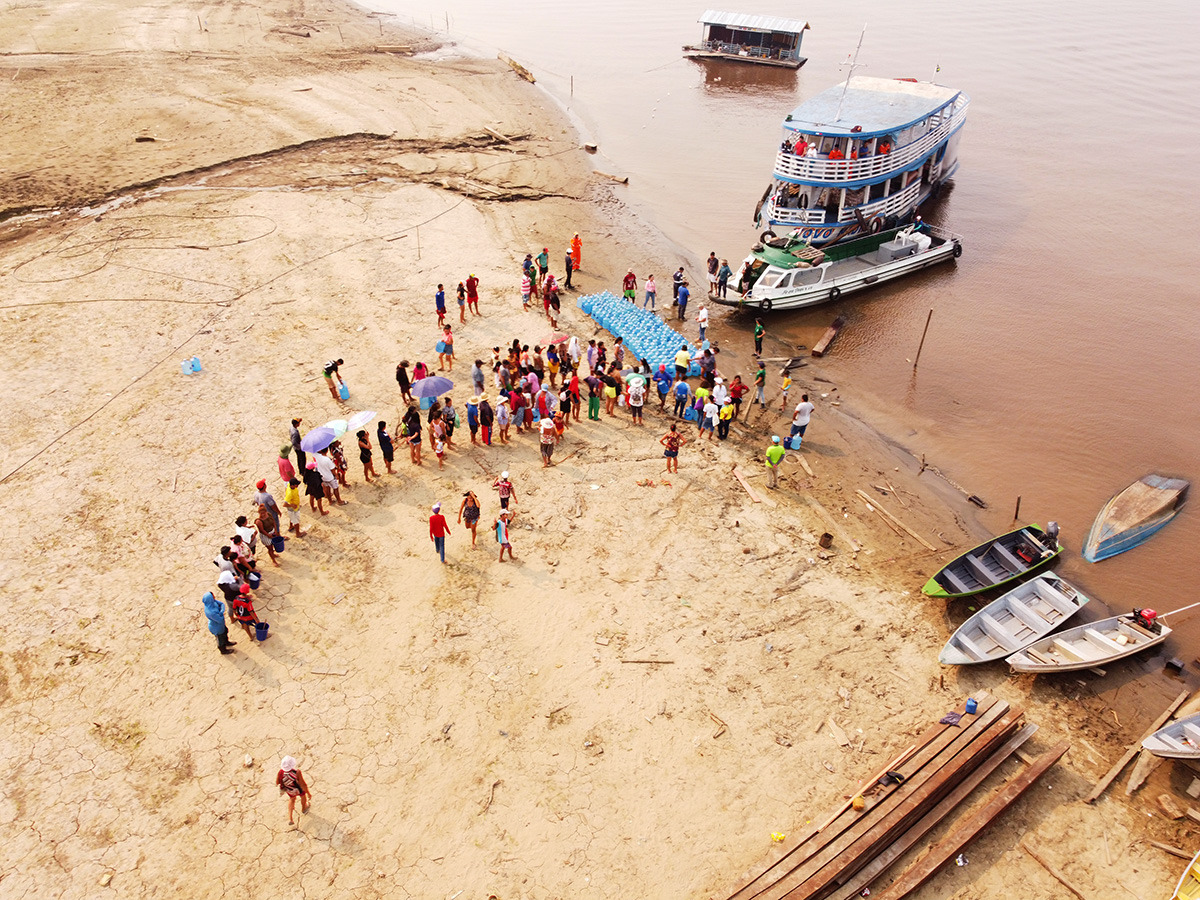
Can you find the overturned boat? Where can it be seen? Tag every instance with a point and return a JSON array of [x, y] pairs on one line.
[[1134, 515]]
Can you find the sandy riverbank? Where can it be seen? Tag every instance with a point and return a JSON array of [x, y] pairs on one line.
[[479, 731]]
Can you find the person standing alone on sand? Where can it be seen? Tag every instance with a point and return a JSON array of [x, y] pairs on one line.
[[470, 512], [576, 252], [502, 534], [291, 782], [332, 375], [759, 331], [651, 293], [672, 441], [439, 305], [438, 530], [505, 489], [775, 455], [473, 293], [629, 286]]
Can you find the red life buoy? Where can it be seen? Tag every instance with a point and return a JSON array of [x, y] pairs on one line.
[[877, 225]]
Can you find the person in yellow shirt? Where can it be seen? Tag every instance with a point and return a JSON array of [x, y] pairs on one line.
[[725, 418], [291, 502], [775, 455], [787, 383]]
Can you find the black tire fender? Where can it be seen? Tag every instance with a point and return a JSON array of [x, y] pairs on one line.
[[877, 225], [766, 304], [835, 292], [957, 249], [766, 236]]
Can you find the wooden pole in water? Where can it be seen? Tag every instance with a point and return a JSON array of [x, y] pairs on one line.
[[1017, 511], [917, 359]]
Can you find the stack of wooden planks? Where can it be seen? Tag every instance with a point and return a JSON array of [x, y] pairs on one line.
[[852, 848]]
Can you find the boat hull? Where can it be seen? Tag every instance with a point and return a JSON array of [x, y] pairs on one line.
[[1028, 661], [1021, 617], [1133, 516], [835, 288], [1189, 883], [1179, 740], [955, 579]]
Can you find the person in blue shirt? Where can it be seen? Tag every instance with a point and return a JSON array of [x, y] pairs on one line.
[[214, 611], [439, 300], [684, 294], [682, 392], [662, 380]]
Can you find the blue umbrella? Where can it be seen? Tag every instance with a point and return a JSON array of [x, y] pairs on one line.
[[432, 386], [318, 439]]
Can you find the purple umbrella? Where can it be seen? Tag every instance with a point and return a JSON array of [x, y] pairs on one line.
[[318, 439], [432, 386]]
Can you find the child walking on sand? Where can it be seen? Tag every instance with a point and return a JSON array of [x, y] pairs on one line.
[[502, 534]]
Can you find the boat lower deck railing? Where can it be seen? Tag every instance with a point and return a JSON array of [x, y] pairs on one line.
[[752, 52], [886, 206], [791, 167]]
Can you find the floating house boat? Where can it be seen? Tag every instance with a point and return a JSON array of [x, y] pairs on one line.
[[861, 157], [767, 40]]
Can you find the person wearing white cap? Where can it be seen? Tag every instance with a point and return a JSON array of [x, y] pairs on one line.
[[291, 782], [506, 491], [438, 530], [775, 455]]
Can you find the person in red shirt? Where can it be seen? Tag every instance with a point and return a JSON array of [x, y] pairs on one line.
[[473, 294], [737, 390], [629, 286], [438, 530]]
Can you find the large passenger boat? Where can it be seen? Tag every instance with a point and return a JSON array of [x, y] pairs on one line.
[[861, 157]]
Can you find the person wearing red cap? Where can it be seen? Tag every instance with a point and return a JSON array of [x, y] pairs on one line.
[[243, 610], [263, 498]]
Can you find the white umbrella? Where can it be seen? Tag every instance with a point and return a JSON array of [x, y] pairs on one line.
[[359, 419], [337, 426]]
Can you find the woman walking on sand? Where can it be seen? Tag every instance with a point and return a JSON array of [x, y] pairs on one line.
[[291, 782], [672, 441], [469, 513], [402, 380], [364, 453]]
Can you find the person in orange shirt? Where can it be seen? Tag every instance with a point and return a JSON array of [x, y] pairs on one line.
[[836, 153]]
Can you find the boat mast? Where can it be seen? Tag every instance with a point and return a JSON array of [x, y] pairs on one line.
[[853, 63]]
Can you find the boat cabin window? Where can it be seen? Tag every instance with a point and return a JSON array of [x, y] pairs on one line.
[[769, 279]]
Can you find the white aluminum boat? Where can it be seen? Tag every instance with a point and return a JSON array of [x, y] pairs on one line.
[[1026, 613], [1089, 646], [1178, 740], [788, 273]]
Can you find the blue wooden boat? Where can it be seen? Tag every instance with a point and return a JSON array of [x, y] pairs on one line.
[[1133, 515]]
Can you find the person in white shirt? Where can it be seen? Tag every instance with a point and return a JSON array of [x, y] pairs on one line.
[[702, 320], [720, 393], [708, 418], [800, 420], [637, 397], [328, 478]]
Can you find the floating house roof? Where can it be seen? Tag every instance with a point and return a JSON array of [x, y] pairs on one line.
[[742, 22], [876, 105]]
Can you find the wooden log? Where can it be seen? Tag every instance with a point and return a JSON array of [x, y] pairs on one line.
[[737, 473], [1045, 864], [878, 836], [854, 839], [866, 784], [1170, 808], [1146, 763], [822, 346], [854, 887], [931, 742], [1174, 851], [518, 68], [619, 179], [886, 521], [1129, 754], [925, 868], [917, 537]]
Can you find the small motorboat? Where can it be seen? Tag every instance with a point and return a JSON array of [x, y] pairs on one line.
[[1026, 613], [995, 562], [1178, 740], [1133, 515], [1189, 884], [1088, 646]]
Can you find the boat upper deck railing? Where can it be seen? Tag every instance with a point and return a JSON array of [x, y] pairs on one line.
[[791, 167], [897, 203], [753, 52]]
